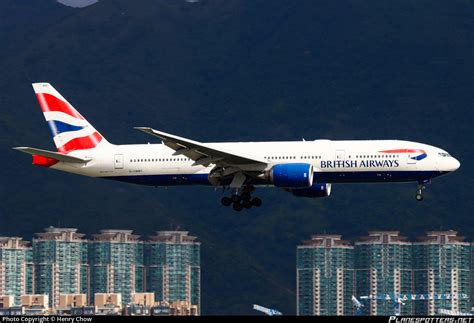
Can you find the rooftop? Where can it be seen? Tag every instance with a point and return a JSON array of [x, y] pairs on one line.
[[173, 237], [13, 243], [60, 234], [326, 241], [116, 235], [383, 237], [442, 237]]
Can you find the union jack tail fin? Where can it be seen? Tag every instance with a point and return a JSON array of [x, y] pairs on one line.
[[69, 129]]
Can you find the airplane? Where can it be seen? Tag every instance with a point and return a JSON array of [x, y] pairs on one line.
[[267, 311], [303, 168]]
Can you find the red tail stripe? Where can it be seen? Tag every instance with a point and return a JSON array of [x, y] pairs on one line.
[[44, 161], [81, 143], [49, 102]]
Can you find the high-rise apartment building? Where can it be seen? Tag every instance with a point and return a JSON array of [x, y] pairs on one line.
[[383, 264], [442, 263], [16, 268], [116, 263], [325, 276], [173, 268], [60, 258]]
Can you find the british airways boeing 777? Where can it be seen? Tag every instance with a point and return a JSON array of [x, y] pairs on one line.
[[304, 168]]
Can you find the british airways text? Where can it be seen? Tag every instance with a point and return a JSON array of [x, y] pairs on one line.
[[358, 163]]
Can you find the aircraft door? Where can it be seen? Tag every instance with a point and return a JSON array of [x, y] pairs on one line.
[[340, 155], [410, 160], [118, 161]]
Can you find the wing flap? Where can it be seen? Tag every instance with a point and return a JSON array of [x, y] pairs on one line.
[[52, 154]]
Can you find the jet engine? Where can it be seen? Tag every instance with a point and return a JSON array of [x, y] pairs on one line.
[[316, 190], [294, 175]]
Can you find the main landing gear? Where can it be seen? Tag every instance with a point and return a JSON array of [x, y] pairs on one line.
[[242, 200]]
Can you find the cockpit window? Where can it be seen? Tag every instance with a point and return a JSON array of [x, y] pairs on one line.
[[444, 154]]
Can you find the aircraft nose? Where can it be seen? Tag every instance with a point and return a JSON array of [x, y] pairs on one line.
[[455, 164]]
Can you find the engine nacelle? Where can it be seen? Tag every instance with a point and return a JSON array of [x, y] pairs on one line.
[[293, 175], [317, 190]]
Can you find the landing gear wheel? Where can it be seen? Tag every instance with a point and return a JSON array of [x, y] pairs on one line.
[[247, 204], [235, 198], [256, 202], [245, 196], [419, 192], [226, 201], [237, 206]]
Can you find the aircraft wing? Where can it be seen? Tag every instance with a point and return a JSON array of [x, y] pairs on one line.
[[203, 154]]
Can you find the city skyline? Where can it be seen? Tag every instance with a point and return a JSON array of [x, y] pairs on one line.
[[434, 270], [429, 275], [61, 261]]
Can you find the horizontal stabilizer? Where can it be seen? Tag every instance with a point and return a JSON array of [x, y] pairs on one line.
[[52, 154]]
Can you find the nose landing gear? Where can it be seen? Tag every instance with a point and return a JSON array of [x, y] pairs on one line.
[[242, 200], [419, 195], [421, 187]]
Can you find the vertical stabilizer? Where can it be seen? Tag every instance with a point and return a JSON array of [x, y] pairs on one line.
[[70, 130]]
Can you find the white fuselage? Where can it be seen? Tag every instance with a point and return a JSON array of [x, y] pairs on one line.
[[333, 161]]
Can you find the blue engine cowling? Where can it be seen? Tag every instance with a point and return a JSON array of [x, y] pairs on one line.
[[317, 190], [293, 175]]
